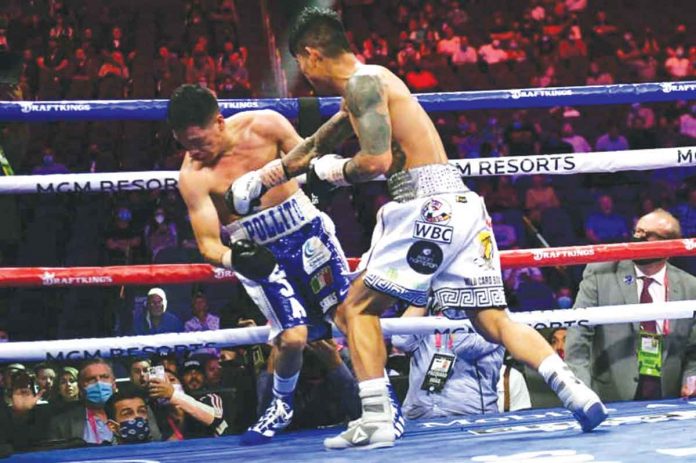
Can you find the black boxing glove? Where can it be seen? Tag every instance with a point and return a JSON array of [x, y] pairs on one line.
[[251, 260]]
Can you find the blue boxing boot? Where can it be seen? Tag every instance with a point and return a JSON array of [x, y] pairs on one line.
[[397, 417], [277, 417]]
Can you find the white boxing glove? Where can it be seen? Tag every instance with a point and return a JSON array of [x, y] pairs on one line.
[[245, 193], [330, 168]]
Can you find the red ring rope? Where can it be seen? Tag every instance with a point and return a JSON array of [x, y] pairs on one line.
[[192, 273]]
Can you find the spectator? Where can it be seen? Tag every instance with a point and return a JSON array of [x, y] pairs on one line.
[[505, 234], [82, 73], [608, 357], [113, 76], [521, 136], [48, 164], [557, 339], [513, 277], [128, 415], [117, 42], [630, 56], [464, 380], [678, 66], [572, 47], [52, 65], [408, 55], [564, 298], [685, 212], [577, 141], [598, 76], [639, 111], [156, 319], [605, 226], [540, 197], [612, 140], [122, 239], [204, 417], [450, 43], [160, 233], [492, 53], [66, 391], [465, 54], [139, 374], [45, 377], [4, 335], [26, 422], [202, 320], [213, 372], [200, 68], [89, 421]]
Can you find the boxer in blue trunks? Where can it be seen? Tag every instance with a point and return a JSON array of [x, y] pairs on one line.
[[285, 253]]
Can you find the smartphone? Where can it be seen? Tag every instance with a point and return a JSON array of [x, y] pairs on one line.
[[157, 372]]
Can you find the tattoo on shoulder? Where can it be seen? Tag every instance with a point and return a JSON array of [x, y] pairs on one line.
[[363, 93], [365, 101]]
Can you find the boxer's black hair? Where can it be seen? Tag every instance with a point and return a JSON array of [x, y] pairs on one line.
[[191, 105], [318, 28]]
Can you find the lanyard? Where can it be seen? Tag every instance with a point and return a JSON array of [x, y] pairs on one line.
[[5, 164], [438, 342], [93, 425], [175, 429]]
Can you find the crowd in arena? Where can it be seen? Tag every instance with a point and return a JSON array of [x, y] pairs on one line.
[[83, 50]]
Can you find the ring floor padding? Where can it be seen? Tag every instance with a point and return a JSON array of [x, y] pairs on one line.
[[663, 431]]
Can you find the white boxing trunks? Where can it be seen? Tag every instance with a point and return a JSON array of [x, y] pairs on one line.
[[435, 238]]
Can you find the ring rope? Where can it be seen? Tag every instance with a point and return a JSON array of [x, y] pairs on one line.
[[127, 346], [198, 273], [150, 110], [563, 164]]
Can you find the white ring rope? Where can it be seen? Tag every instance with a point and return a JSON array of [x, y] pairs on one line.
[[557, 164], [75, 349]]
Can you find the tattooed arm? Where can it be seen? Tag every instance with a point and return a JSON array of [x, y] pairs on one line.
[[367, 103], [327, 137]]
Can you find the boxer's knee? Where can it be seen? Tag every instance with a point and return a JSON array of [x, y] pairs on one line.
[[293, 339]]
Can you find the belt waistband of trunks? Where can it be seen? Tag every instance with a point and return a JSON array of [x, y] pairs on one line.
[[275, 222], [425, 181]]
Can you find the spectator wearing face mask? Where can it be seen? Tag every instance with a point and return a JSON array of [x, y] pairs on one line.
[[49, 165], [160, 233], [122, 239], [89, 422], [128, 416], [155, 319]]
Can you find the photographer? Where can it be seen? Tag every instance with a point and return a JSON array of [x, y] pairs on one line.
[[200, 418]]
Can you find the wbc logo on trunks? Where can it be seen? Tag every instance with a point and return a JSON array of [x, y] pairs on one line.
[[436, 211], [435, 214]]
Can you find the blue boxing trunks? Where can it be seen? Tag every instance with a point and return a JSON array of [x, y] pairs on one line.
[[312, 275]]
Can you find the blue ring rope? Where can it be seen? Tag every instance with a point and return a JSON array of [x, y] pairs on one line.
[[155, 110]]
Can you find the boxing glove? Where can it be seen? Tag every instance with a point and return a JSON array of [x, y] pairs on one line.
[[252, 260], [325, 174]]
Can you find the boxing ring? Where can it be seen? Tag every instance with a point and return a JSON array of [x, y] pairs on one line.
[[542, 435]]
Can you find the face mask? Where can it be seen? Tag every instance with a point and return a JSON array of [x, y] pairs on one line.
[[159, 218], [134, 431], [124, 215], [565, 302], [644, 261], [99, 393], [48, 159]]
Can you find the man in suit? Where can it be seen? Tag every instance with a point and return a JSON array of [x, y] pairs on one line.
[[89, 422], [636, 361]]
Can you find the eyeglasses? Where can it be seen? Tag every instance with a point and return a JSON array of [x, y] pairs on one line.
[[650, 235]]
